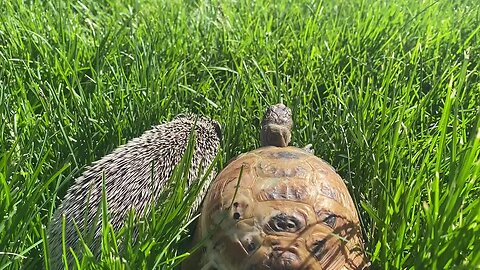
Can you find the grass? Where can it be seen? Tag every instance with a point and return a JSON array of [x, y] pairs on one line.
[[387, 91]]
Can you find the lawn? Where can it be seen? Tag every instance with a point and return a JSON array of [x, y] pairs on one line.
[[388, 92]]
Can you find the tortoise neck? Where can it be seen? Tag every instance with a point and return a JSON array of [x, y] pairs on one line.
[[275, 135]]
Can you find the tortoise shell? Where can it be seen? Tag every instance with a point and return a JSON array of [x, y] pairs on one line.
[[279, 208]]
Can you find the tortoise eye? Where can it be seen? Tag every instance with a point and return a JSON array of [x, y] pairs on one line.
[[317, 249]]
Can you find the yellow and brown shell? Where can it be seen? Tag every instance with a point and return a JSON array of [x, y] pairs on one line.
[[278, 208]]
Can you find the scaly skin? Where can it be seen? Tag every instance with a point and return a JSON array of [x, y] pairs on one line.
[[277, 126]]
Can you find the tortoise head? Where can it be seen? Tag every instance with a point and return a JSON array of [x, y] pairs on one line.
[[277, 126]]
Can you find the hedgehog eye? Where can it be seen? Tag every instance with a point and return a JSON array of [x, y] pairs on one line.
[[236, 216], [317, 249]]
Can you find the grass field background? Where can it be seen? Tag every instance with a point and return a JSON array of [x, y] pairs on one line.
[[388, 92]]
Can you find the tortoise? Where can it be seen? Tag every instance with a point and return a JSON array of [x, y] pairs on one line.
[[278, 207]]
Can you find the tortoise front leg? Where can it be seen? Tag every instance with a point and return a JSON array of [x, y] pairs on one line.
[[309, 148]]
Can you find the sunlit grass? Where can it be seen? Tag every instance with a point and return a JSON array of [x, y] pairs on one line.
[[388, 92]]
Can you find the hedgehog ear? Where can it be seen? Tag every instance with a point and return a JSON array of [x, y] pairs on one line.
[[218, 129]]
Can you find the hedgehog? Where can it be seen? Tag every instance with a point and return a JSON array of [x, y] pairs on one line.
[[134, 175]]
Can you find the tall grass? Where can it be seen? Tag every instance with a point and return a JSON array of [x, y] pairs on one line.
[[386, 91]]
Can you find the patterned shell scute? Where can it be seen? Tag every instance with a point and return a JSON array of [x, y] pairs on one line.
[[280, 208]]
